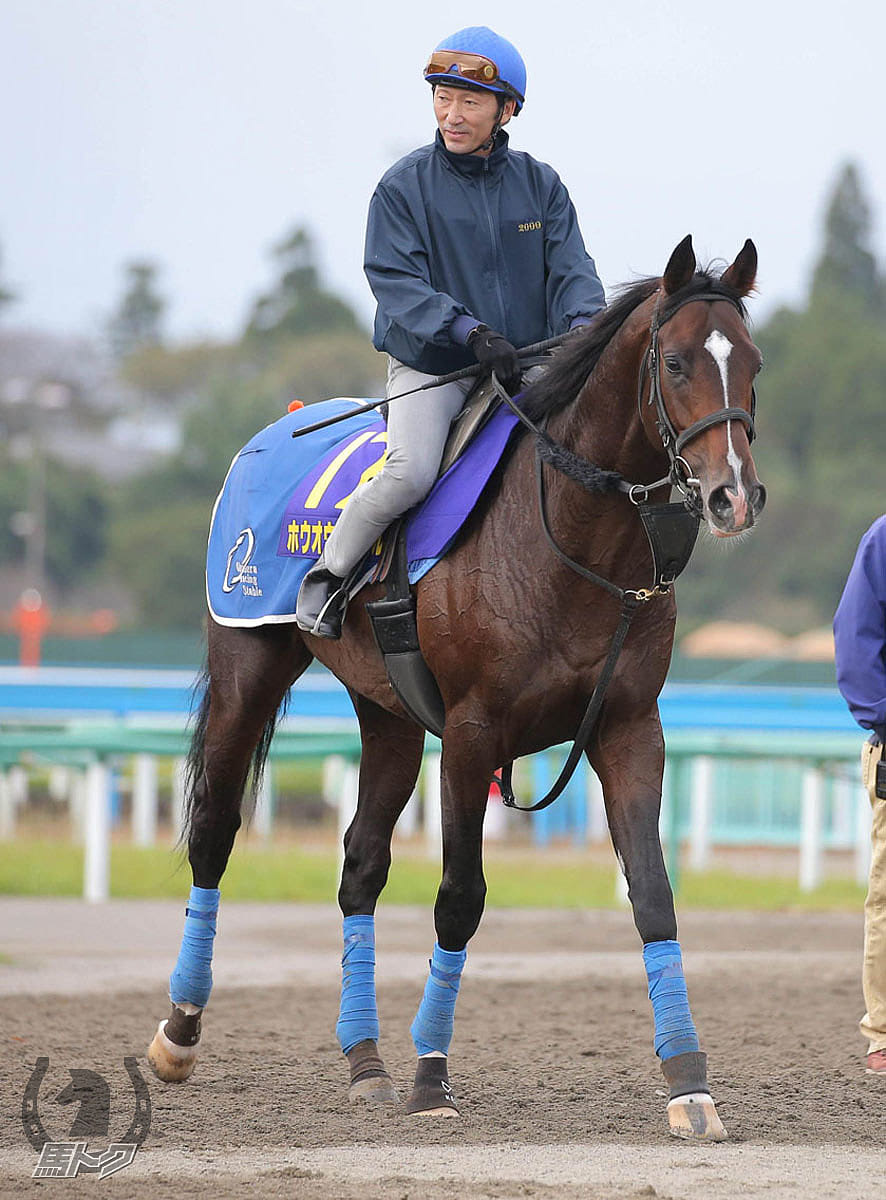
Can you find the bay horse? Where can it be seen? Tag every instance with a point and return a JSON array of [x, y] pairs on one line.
[[659, 388]]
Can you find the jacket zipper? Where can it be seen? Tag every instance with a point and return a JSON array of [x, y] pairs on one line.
[[495, 249]]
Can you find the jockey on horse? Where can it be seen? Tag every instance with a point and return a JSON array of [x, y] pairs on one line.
[[465, 238]]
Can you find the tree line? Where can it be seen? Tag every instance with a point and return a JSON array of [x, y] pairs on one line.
[[145, 535], [819, 445], [820, 397]]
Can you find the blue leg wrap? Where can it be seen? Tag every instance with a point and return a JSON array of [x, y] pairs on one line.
[[674, 1030], [358, 1015], [191, 979], [432, 1028]]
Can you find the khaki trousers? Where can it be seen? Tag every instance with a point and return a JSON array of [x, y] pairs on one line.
[[873, 1023]]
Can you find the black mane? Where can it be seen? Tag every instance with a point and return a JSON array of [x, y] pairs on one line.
[[572, 365]]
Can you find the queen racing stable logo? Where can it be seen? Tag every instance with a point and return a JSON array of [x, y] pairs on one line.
[[239, 568]]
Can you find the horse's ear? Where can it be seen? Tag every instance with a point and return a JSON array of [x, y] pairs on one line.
[[743, 272], [680, 268]]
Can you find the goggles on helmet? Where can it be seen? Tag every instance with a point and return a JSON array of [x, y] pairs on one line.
[[469, 68]]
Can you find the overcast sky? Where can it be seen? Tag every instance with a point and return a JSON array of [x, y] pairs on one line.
[[198, 132]]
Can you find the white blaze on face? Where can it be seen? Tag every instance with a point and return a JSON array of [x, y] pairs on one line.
[[719, 347]]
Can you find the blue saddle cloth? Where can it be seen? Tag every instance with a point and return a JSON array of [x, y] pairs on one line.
[[282, 497]]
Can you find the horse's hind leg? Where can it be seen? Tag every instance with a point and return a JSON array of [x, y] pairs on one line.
[[389, 766], [630, 761], [249, 672]]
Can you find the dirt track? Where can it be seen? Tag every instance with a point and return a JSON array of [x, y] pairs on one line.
[[552, 1058]]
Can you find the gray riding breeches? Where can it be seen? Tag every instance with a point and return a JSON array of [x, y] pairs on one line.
[[418, 426]]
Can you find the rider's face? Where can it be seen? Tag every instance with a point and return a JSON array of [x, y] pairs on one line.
[[465, 118]]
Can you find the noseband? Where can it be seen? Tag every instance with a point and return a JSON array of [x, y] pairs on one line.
[[680, 473]]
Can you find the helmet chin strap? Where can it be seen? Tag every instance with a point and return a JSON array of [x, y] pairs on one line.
[[490, 141]]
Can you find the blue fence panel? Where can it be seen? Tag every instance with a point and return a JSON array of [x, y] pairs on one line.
[[758, 800], [568, 816]]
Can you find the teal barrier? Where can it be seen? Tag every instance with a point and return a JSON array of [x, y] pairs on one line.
[[757, 789]]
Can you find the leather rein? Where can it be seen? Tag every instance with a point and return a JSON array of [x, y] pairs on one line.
[[671, 528]]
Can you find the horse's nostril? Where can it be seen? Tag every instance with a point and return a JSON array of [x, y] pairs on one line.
[[720, 504], [758, 499]]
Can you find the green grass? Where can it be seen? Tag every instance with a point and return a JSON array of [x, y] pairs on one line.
[[517, 878], [726, 890]]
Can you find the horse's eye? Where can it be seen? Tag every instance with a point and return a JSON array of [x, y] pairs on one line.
[[672, 364]]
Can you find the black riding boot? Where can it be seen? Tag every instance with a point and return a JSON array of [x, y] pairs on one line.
[[322, 601]]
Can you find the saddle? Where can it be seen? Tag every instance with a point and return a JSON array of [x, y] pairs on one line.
[[478, 408]]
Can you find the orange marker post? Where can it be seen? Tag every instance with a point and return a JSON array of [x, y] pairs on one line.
[[30, 618]]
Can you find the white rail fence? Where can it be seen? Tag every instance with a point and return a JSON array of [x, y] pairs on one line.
[[92, 794]]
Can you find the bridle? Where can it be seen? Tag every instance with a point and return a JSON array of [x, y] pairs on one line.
[[670, 528], [680, 473]]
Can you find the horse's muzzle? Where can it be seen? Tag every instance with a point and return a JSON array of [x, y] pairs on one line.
[[731, 511]]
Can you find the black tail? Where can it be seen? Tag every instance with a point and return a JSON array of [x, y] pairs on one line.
[[194, 761]]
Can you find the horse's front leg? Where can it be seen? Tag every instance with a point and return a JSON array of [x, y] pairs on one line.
[[629, 759], [389, 766], [460, 899]]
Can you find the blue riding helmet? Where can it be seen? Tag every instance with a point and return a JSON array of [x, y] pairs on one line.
[[477, 57]]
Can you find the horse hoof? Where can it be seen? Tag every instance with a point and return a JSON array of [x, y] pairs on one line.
[[170, 1062], [172, 1054], [432, 1094], [370, 1081], [694, 1117], [444, 1111], [378, 1090]]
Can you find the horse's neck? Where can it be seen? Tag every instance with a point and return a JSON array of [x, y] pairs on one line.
[[603, 426]]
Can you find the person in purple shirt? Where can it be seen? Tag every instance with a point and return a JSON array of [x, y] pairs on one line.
[[860, 651]]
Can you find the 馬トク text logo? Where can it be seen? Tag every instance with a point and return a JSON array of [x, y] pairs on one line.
[[91, 1092]]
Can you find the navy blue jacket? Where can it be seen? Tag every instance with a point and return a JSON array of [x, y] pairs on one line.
[[492, 240], [860, 632]]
